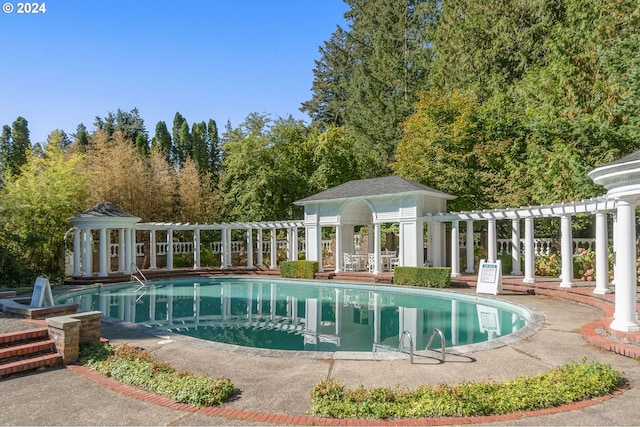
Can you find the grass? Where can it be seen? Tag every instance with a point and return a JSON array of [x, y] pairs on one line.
[[566, 384]]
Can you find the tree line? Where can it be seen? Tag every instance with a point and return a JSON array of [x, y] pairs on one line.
[[502, 103]]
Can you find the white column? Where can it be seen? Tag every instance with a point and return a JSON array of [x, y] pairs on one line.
[[602, 254], [625, 317], [153, 250], [169, 250], [566, 254], [338, 255], [470, 248], [223, 248], [376, 247], [88, 253], [77, 258], [228, 251], [125, 251], [434, 249], [196, 249], [259, 261], [294, 243], [529, 256], [455, 249], [134, 247], [274, 250], [249, 248], [515, 247], [103, 253], [122, 258], [492, 253]]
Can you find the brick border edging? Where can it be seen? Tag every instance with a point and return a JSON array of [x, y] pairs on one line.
[[220, 411]]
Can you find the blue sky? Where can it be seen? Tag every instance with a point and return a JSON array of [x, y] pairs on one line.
[[219, 59]]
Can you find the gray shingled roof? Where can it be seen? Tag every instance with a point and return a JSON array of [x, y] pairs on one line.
[[373, 187], [104, 209], [633, 157]]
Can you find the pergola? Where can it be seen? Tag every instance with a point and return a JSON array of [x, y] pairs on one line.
[[106, 217], [393, 199]]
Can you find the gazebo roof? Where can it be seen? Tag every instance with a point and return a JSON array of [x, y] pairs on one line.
[[104, 209], [633, 157], [373, 187], [104, 214]]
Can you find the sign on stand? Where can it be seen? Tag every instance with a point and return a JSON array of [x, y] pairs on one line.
[[489, 278], [42, 296]]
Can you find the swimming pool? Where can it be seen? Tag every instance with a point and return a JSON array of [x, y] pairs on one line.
[[304, 316]]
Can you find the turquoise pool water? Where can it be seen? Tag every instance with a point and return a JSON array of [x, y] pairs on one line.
[[309, 316]]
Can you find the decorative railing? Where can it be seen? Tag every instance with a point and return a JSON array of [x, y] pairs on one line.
[[541, 246]]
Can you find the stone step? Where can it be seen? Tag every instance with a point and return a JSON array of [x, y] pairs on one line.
[[30, 364]]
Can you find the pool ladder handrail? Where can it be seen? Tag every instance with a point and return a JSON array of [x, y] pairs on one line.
[[433, 334], [143, 284], [407, 334], [442, 341]]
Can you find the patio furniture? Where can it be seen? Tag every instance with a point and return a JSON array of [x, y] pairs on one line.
[[349, 263]]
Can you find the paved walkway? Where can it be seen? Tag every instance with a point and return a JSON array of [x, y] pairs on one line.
[[275, 389]]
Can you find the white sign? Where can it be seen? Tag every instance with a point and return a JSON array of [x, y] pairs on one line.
[[489, 278], [42, 296]]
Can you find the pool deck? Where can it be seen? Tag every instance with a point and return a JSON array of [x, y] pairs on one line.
[[275, 389]]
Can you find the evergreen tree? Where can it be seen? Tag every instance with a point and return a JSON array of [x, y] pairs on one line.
[[81, 137], [368, 77], [14, 154], [59, 139], [5, 149], [184, 145], [215, 150], [200, 149], [330, 82], [178, 120], [162, 141]]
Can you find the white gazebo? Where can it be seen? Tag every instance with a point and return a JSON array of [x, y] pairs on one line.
[[374, 202], [103, 216], [621, 178]]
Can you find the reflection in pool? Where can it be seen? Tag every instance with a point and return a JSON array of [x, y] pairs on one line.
[[311, 316]]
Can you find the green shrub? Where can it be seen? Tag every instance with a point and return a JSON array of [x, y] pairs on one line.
[[136, 367], [299, 269], [566, 384], [429, 277]]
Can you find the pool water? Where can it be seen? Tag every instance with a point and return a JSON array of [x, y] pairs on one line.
[[304, 316]]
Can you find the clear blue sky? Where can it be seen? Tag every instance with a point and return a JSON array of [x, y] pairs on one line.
[[219, 59]]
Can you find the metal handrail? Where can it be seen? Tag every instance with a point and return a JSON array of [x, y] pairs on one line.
[[143, 285], [408, 334], [442, 341]]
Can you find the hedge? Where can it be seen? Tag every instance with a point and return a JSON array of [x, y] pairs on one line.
[[299, 269], [428, 277]]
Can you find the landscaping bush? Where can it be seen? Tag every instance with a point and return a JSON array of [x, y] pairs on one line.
[[566, 384], [299, 269], [428, 277], [136, 367]]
